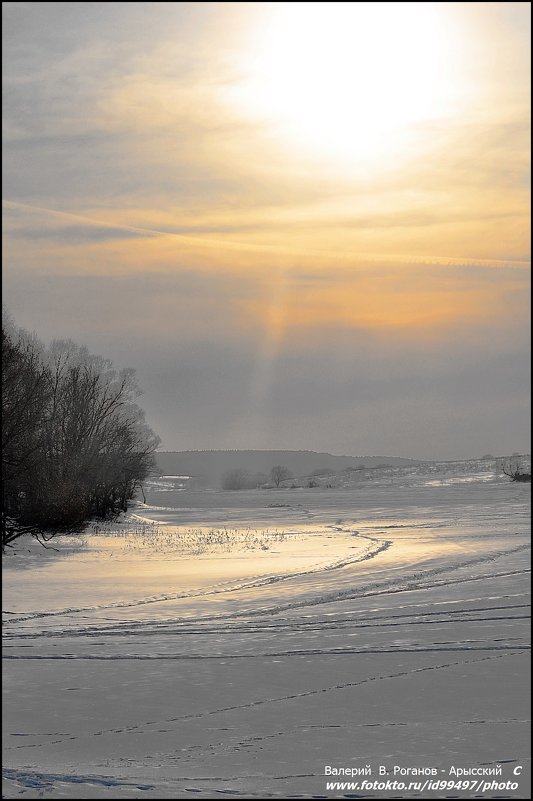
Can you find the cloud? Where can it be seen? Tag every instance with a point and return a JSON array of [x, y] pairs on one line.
[[78, 234], [268, 297]]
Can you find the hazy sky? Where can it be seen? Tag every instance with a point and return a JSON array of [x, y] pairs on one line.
[[306, 225]]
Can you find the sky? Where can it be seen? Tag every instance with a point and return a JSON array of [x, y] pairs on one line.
[[305, 225]]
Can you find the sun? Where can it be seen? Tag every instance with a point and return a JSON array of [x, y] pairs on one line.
[[349, 81]]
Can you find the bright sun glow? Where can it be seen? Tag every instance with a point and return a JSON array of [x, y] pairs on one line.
[[350, 81]]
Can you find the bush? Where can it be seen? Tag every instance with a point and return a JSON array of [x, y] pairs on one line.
[[236, 479]]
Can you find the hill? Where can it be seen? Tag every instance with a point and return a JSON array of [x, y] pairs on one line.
[[210, 466]]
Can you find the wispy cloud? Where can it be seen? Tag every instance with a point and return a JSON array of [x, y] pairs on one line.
[[148, 217], [97, 229]]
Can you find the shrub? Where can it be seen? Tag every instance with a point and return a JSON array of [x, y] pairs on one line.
[[236, 479]]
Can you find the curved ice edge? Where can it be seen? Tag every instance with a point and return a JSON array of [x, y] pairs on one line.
[[383, 588], [415, 581], [369, 553]]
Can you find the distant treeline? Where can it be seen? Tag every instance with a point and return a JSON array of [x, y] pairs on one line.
[[75, 444], [213, 467]]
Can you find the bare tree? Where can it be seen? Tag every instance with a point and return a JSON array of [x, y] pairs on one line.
[[25, 395], [280, 473], [77, 443], [516, 472]]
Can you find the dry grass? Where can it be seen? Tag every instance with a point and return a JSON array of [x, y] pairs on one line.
[[152, 538]]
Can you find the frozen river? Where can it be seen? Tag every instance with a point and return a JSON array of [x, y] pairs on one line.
[[234, 644]]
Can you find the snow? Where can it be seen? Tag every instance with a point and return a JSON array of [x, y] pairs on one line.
[[234, 643]]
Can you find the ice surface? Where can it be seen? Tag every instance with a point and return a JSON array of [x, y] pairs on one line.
[[232, 644]]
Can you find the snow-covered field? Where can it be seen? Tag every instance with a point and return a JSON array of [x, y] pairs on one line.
[[233, 644]]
